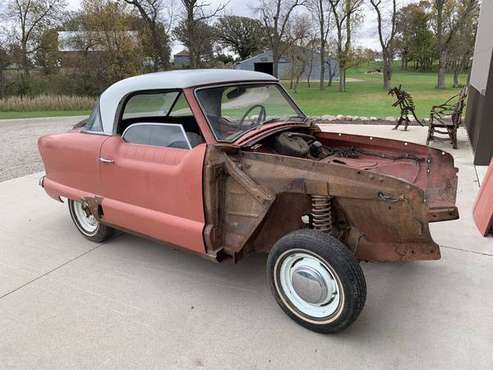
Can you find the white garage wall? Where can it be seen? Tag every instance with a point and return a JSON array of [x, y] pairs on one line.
[[484, 48]]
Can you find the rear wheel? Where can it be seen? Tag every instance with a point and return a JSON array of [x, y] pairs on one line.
[[87, 224], [316, 280]]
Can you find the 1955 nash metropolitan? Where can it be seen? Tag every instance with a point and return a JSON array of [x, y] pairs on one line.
[[224, 163]]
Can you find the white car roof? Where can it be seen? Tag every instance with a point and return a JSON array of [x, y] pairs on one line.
[[178, 79]]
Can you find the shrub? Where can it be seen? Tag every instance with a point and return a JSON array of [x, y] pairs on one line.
[[46, 103]]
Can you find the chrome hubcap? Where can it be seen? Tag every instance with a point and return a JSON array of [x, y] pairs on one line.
[[86, 220], [310, 284]]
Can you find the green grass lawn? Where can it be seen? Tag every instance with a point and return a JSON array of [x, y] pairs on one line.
[[60, 113], [362, 98], [368, 98]]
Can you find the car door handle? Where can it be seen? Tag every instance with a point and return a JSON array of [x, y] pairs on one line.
[[107, 161]]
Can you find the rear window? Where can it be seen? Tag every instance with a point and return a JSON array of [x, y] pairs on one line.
[[150, 104]]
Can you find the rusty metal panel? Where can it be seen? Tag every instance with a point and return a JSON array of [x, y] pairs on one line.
[[383, 194]]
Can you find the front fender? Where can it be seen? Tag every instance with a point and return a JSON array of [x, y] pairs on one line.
[[385, 219]]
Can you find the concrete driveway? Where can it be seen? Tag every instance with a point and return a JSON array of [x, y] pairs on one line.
[[131, 303]]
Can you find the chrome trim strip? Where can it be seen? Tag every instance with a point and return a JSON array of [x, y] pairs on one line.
[[101, 133]]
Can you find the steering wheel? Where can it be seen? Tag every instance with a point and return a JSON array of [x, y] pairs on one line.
[[261, 116]]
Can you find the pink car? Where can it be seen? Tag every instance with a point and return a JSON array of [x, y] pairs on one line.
[[223, 163]]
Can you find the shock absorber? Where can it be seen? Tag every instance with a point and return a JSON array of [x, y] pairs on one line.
[[322, 213]]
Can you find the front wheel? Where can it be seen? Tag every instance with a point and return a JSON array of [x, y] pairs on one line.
[[87, 224], [316, 280]]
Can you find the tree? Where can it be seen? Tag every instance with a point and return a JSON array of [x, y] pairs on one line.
[[344, 12], [199, 38], [245, 36], [5, 60], [415, 40], [31, 18], [106, 47], [47, 55], [321, 12], [193, 29], [387, 43], [357, 56], [449, 16], [311, 49], [220, 58], [158, 45], [275, 15], [299, 38], [461, 49], [370, 55]]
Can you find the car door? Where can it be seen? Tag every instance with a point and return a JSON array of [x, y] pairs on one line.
[[152, 184]]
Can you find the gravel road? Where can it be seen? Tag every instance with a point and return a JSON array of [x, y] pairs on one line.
[[19, 154]]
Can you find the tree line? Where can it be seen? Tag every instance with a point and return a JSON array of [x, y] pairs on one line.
[[107, 40]]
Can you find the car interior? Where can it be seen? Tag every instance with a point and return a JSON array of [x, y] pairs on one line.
[[188, 122]]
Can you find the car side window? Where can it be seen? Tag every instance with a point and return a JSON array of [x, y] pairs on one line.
[[157, 134], [93, 123], [180, 108]]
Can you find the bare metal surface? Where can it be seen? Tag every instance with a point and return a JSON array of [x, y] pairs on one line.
[[384, 194]]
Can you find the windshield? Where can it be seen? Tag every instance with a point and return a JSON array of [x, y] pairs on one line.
[[234, 110]]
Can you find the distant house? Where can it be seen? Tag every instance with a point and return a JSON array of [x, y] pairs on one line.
[[182, 58], [263, 63], [71, 44]]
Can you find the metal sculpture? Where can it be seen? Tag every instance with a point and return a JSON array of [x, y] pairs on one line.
[[406, 104]]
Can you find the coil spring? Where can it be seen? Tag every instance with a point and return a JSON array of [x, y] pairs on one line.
[[322, 213]]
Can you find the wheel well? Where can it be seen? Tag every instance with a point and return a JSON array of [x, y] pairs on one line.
[[284, 216]]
